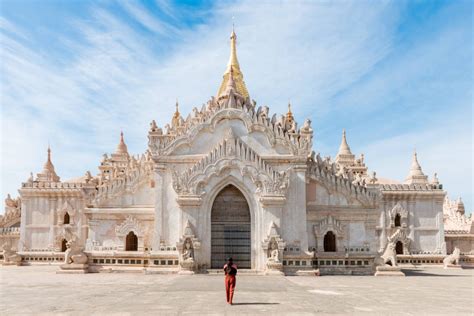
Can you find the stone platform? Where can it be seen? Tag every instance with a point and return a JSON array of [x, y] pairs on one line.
[[388, 271], [38, 290]]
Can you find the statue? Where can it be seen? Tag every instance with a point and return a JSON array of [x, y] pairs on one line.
[[74, 253], [188, 251], [452, 259], [186, 245], [10, 257], [387, 265], [75, 260], [274, 253], [306, 128], [389, 256]]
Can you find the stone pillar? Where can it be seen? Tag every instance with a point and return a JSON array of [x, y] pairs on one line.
[[159, 188], [411, 204], [383, 224], [25, 204], [298, 205], [272, 212], [52, 204]]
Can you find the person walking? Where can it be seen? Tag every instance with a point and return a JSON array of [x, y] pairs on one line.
[[230, 270]]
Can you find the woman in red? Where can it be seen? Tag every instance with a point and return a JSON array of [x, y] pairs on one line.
[[230, 270]]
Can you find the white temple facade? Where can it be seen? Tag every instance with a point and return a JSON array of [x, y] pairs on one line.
[[231, 179]]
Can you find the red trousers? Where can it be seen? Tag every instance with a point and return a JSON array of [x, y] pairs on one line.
[[229, 287]]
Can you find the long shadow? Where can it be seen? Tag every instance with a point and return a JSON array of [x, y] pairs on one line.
[[419, 273], [255, 303]]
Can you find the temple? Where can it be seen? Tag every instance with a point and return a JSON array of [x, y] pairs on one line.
[[231, 179]]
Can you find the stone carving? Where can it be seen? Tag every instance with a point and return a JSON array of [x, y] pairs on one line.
[[402, 212], [128, 225], [452, 259], [10, 257], [400, 234], [386, 264], [329, 224], [336, 178], [389, 256], [273, 245], [455, 219], [12, 212], [231, 153], [75, 260], [187, 245]]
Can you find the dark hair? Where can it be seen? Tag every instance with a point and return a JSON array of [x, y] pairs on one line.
[[229, 259]]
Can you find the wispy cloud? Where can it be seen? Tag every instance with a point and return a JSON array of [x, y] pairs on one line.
[[338, 62]]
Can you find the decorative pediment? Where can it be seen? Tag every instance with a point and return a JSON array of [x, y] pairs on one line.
[[128, 225], [298, 142], [402, 212], [231, 153], [329, 224], [398, 209], [400, 234]]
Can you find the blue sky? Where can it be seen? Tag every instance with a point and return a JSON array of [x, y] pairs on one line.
[[397, 75]]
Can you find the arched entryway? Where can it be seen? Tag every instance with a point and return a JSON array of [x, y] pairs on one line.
[[329, 242], [230, 229], [399, 248], [131, 242]]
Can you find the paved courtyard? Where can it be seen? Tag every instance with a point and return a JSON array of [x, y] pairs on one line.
[[39, 290]]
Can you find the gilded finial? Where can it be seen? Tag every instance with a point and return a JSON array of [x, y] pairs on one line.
[[289, 114]]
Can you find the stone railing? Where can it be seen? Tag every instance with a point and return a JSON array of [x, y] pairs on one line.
[[9, 230], [410, 187], [51, 185]]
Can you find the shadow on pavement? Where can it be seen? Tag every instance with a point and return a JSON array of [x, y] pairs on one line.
[[421, 273], [255, 303]]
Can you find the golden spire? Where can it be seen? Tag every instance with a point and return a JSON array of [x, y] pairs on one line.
[[289, 114], [175, 121], [233, 65]]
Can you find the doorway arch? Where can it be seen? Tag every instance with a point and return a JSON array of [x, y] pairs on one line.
[[131, 242], [230, 229], [329, 242], [399, 248]]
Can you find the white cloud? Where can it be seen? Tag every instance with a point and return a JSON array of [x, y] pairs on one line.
[[118, 77]]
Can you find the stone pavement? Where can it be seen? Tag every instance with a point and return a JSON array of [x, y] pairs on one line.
[[39, 290]]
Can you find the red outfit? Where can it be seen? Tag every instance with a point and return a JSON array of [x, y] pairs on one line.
[[229, 285]]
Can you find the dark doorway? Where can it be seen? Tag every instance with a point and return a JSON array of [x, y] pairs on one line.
[[66, 218], [63, 245], [131, 242], [399, 248], [398, 220], [230, 229], [329, 242]]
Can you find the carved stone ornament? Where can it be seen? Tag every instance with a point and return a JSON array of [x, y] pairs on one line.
[[329, 224], [75, 259], [231, 153], [187, 246], [402, 212], [10, 257], [452, 259], [128, 225], [400, 234], [273, 245]]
